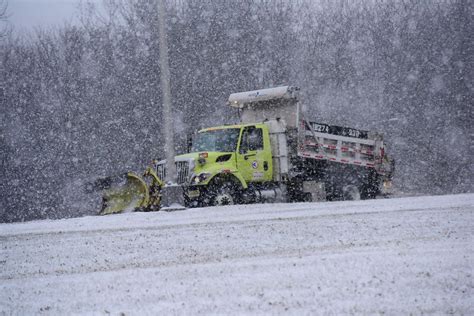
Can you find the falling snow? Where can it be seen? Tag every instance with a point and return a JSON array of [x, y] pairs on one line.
[[84, 101]]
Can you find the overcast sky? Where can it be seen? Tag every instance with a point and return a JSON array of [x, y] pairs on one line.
[[25, 15]]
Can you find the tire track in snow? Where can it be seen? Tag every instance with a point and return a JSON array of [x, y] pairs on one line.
[[261, 217], [191, 254]]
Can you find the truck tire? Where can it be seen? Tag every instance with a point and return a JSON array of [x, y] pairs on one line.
[[371, 187], [224, 196], [351, 193], [369, 190], [224, 191]]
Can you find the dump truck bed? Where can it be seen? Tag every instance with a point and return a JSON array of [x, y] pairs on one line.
[[341, 145]]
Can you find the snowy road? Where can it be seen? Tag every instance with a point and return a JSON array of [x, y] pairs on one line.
[[398, 256]]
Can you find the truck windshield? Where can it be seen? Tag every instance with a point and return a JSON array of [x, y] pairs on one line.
[[222, 140]]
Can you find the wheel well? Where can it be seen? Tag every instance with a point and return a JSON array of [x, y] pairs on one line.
[[224, 178]]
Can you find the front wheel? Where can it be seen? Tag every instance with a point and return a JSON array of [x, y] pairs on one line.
[[224, 192]]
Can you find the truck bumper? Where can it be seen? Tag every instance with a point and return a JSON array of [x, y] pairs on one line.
[[196, 196]]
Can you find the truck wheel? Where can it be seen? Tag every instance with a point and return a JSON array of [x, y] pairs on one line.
[[350, 193], [225, 194], [225, 191], [369, 191], [371, 188]]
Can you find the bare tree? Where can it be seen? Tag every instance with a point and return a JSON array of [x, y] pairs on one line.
[[85, 101], [4, 18]]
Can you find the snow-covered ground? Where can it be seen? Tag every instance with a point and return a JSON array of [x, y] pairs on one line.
[[395, 256]]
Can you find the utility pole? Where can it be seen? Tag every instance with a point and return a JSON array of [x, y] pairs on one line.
[[172, 193], [166, 95]]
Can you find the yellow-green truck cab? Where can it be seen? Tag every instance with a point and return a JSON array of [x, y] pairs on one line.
[[227, 159]]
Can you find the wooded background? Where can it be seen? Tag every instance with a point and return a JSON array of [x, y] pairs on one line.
[[84, 101]]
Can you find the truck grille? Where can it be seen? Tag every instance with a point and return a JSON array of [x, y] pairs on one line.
[[182, 170]]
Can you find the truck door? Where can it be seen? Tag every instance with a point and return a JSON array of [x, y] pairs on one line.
[[253, 159]]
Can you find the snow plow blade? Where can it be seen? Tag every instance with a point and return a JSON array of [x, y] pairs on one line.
[[132, 193]]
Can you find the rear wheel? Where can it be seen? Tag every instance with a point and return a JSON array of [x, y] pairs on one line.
[[371, 188], [369, 192], [350, 193]]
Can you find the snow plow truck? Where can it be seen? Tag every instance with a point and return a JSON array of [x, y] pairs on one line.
[[273, 155]]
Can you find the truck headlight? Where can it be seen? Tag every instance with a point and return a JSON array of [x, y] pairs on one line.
[[200, 178]]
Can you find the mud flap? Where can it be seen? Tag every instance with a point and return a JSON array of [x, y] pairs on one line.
[[127, 195]]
